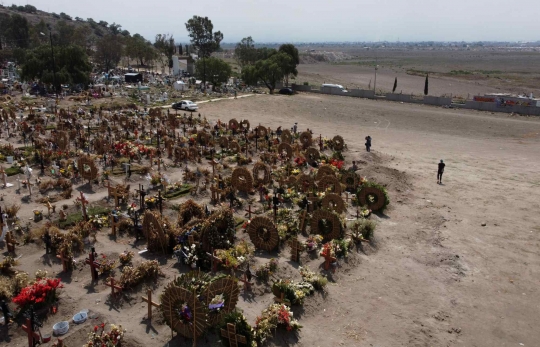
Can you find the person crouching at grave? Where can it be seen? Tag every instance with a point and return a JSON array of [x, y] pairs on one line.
[[48, 242], [6, 312]]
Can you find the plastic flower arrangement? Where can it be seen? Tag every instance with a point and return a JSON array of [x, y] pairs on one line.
[[185, 315], [273, 316], [217, 303], [105, 264], [102, 339], [264, 272], [313, 242], [233, 257], [190, 253], [41, 293], [295, 293], [126, 257]]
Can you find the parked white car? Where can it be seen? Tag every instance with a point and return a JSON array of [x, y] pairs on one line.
[[185, 105]]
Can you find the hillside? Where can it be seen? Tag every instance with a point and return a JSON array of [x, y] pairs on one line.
[[92, 29]]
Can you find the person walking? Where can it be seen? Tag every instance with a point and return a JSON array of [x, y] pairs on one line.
[[368, 143], [295, 128], [440, 171]]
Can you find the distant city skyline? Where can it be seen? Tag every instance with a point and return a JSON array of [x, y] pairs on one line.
[[315, 20]]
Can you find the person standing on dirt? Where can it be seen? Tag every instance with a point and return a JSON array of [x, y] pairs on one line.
[[440, 171], [368, 143], [295, 128]]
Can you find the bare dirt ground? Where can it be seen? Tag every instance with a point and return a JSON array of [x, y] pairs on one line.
[[452, 71], [437, 277], [434, 275]]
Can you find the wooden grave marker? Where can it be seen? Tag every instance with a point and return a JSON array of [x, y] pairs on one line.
[[32, 335], [93, 264], [230, 334], [148, 300], [114, 287], [296, 248]]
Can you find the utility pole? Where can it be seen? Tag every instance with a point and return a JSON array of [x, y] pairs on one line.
[[376, 68]]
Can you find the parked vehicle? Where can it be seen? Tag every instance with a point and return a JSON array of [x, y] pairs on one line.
[[185, 105], [286, 91], [333, 88]]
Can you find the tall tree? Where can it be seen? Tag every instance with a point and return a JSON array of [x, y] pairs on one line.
[[108, 51], [269, 71], [426, 86], [137, 47], [245, 52], [395, 86], [17, 32], [290, 68], [164, 43], [71, 62], [203, 37], [217, 70]]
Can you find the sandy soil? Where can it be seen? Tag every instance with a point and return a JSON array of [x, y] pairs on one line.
[[434, 276], [351, 76]]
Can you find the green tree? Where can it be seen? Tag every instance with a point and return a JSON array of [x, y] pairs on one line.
[[269, 71], [290, 68], [217, 70], [108, 52], [64, 33], [203, 37], [72, 65], [18, 32], [115, 28], [245, 52], [165, 45], [138, 48], [426, 86]]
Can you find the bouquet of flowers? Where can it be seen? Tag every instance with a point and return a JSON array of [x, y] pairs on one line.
[[264, 272], [106, 265], [233, 257], [41, 293], [185, 315], [313, 242], [103, 339], [273, 316], [338, 164], [316, 280], [295, 293], [300, 161], [155, 179], [126, 257], [217, 303], [190, 253]]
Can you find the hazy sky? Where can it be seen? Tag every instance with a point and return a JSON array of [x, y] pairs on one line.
[[317, 20]]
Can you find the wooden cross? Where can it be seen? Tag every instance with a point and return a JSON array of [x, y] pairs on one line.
[[148, 299], [346, 198], [328, 260], [113, 224], [113, 287], [296, 248], [303, 220], [282, 299], [214, 261], [249, 212], [3, 173], [215, 193], [141, 193], [160, 203], [66, 262], [117, 195], [313, 199], [91, 260], [213, 163], [191, 239], [32, 335], [231, 335], [246, 282], [10, 242], [83, 202]]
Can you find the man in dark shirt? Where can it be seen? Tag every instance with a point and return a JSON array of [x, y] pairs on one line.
[[368, 143], [440, 172]]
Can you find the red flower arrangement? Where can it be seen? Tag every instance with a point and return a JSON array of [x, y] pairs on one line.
[[337, 163], [300, 161], [40, 293]]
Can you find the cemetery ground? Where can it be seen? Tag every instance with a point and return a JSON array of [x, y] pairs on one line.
[[449, 265]]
